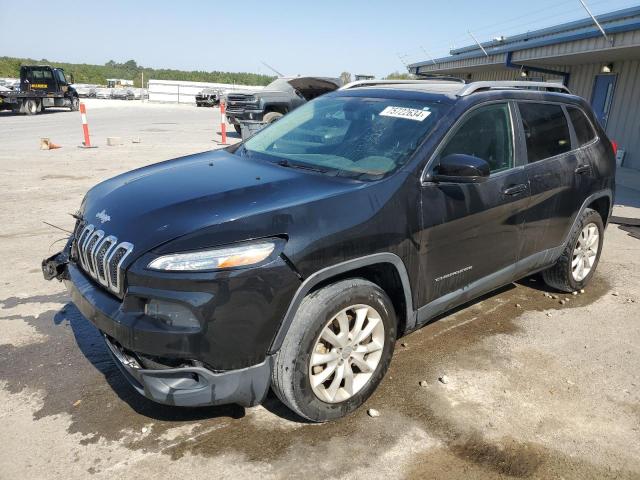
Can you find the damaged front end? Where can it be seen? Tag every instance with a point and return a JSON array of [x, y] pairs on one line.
[[56, 267]]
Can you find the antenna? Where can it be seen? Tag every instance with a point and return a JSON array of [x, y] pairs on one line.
[[402, 59], [476, 40], [271, 68], [428, 55], [604, 34]]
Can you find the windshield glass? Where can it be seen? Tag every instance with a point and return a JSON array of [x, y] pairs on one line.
[[348, 135]]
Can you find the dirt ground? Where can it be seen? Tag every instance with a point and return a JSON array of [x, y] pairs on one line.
[[536, 389]]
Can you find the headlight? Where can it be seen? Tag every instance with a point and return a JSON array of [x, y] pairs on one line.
[[240, 256]]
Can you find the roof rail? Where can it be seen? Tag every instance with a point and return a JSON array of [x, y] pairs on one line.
[[436, 76], [373, 83], [505, 85]]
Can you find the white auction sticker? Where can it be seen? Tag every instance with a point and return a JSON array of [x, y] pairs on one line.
[[407, 113]]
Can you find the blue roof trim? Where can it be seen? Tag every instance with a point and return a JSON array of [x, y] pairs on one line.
[[585, 22], [524, 41]]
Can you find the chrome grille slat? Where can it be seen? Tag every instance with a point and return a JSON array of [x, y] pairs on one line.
[[101, 256]]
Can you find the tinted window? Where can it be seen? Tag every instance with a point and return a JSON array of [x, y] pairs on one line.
[[546, 130], [60, 76], [486, 133], [584, 130]]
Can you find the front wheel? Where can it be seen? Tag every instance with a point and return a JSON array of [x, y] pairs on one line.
[[337, 350], [579, 260], [237, 128], [272, 117]]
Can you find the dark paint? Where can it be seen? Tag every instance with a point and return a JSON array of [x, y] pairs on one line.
[[219, 198]]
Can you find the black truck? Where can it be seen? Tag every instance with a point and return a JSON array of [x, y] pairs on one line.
[[41, 86], [279, 97]]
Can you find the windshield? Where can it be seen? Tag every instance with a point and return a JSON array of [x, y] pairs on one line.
[[348, 135]]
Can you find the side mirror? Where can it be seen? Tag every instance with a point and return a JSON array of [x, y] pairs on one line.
[[461, 168]]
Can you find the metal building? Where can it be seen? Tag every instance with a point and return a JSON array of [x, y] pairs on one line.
[[603, 66]]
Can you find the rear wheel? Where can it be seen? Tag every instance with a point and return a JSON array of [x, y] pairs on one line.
[[272, 117], [579, 260], [31, 106], [337, 350]]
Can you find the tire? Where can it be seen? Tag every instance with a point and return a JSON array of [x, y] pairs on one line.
[[237, 128], [272, 117], [292, 373], [564, 275], [75, 104], [31, 106]]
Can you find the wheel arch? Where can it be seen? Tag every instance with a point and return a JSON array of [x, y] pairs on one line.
[[602, 205], [386, 270]]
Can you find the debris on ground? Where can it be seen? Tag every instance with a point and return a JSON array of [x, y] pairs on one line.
[[518, 305], [574, 293], [443, 379], [549, 314], [582, 290], [423, 383], [615, 294], [373, 413], [77, 402], [404, 344]]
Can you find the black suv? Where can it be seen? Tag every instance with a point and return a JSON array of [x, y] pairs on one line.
[[294, 260]]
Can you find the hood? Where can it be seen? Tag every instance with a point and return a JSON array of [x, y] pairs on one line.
[[155, 204]]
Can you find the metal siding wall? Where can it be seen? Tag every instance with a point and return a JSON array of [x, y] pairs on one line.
[[624, 119]]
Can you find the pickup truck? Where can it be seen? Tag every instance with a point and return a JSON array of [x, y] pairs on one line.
[[208, 97], [276, 99], [41, 86]]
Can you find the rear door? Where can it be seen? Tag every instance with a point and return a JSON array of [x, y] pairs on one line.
[[472, 232], [553, 175]]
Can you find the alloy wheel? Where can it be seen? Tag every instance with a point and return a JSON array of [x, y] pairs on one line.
[[585, 252], [346, 353]]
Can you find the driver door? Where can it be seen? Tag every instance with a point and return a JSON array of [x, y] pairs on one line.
[[471, 232]]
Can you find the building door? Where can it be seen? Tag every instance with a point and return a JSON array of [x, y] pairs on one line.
[[602, 98]]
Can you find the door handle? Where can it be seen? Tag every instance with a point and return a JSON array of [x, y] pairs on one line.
[[515, 190], [581, 169]]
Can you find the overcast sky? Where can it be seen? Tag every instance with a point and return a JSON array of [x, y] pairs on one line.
[[296, 37]]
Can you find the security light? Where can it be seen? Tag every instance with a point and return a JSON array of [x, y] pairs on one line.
[[608, 68]]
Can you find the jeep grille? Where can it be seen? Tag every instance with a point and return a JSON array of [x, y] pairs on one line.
[[101, 256]]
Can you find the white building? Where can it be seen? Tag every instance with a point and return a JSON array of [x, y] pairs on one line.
[[177, 91]]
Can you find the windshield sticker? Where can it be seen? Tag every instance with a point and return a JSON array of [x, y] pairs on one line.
[[406, 113]]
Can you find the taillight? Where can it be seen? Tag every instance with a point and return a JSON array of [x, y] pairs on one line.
[[615, 147]]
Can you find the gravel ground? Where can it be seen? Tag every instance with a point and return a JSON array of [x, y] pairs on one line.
[[534, 388]]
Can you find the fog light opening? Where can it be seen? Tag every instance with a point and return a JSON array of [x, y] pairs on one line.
[[172, 314]]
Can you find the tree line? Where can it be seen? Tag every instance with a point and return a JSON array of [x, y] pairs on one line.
[[130, 70]]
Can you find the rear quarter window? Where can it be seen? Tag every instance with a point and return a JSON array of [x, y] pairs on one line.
[[546, 130], [581, 125]]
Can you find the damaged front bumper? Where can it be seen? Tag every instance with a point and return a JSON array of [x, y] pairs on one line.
[[193, 386], [189, 384]]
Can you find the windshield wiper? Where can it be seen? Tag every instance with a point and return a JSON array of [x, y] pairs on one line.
[[286, 163]]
